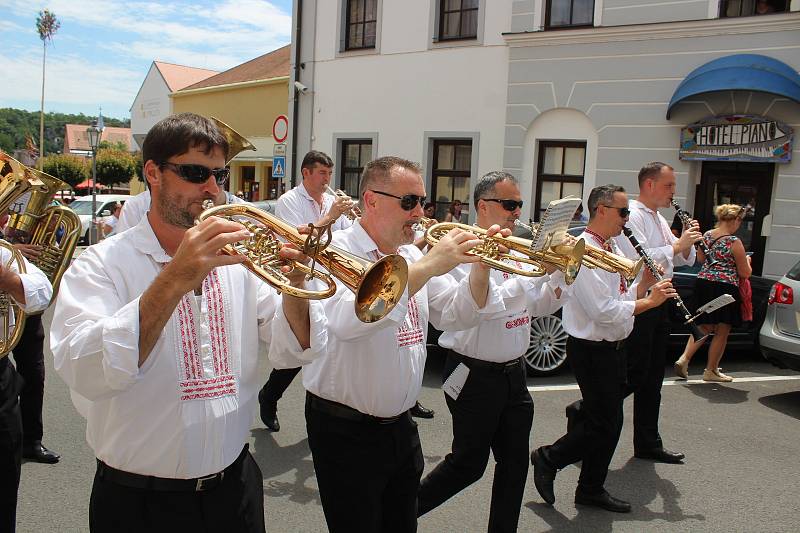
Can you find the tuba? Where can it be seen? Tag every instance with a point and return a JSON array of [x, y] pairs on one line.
[[56, 229], [565, 258], [378, 286]]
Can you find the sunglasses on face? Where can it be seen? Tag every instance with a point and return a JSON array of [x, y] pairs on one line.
[[623, 211], [407, 201], [198, 173], [508, 205]]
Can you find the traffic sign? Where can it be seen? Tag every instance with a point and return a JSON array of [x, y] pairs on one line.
[[280, 128], [279, 166], [279, 149]]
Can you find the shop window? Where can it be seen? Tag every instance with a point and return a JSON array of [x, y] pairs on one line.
[[452, 168], [559, 173], [746, 8], [361, 18], [569, 14], [355, 154], [458, 19], [249, 185]]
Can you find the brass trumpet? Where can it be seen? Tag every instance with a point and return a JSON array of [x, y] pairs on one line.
[[355, 212], [378, 286], [567, 259]]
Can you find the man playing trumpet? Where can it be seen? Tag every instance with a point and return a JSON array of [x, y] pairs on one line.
[[156, 333]]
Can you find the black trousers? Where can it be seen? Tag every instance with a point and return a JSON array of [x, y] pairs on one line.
[[10, 445], [236, 505], [494, 411], [279, 380], [647, 350], [601, 375], [368, 473], [29, 358]]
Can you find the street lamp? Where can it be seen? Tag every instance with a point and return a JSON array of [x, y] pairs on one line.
[[94, 133]]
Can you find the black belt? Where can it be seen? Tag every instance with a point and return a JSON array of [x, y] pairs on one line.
[[472, 363], [613, 345], [138, 481], [340, 410]]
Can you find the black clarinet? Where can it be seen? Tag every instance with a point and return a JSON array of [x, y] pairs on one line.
[[686, 220], [697, 333]]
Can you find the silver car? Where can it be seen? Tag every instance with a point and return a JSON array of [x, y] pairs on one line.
[[780, 334]]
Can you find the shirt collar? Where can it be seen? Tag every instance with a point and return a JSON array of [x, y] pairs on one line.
[[144, 239], [361, 236], [639, 205]]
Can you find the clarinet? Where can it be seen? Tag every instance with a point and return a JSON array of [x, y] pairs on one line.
[[686, 220], [697, 333]]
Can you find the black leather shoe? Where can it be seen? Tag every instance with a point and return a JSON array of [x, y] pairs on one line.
[[660, 455], [268, 412], [40, 454], [603, 500], [420, 411], [543, 476]]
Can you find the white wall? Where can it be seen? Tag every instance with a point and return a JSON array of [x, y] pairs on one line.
[[152, 103]]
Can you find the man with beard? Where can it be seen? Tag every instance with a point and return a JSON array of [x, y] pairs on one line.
[[494, 410], [157, 332]]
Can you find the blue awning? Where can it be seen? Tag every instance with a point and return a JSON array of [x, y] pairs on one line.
[[741, 72]]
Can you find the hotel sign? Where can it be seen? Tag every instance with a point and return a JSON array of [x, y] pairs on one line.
[[737, 138]]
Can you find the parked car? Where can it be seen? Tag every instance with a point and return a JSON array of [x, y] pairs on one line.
[[780, 334], [547, 352], [83, 208]]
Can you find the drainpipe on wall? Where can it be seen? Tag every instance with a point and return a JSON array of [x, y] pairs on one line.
[[295, 99]]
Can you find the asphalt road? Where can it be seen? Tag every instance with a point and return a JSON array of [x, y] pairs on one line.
[[742, 442]]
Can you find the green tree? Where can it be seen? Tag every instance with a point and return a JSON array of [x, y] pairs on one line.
[[114, 166], [137, 156], [69, 168], [119, 145], [46, 25]]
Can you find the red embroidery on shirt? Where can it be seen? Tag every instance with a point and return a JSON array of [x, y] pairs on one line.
[[605, 244], [410, 332], [517, 322]]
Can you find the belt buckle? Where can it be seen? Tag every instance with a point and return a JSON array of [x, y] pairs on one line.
[[201, 481]]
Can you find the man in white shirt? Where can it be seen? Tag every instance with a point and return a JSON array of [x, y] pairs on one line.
[[308, 203], [494, 410], [365, 446], [598, 315], [648, 342], [32, 291], [108, 225], [157, 334]]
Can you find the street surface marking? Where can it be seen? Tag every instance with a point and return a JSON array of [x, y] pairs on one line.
[[546, 388]]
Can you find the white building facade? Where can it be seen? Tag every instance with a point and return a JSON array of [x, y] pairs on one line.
[[565, 95]]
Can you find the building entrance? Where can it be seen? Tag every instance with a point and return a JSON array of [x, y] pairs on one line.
[[746, 184]]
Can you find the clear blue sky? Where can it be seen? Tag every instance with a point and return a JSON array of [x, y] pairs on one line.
[[104, 48]]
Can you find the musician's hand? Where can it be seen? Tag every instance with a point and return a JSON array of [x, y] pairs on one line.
[[661, 291], [200, 251], [341, 205], [569, 240], [451, 250], [689, 236], [30, 251], [290, 252], [694, 224]]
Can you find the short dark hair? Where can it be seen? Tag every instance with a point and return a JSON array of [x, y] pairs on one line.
[[429, 204], [176, 134], [379, 170], [651, 171], [315, 156], [602, 194], [487, 182]]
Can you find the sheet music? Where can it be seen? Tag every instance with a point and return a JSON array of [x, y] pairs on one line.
[[555, 221]]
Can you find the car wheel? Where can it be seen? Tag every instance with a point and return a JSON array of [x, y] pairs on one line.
[[547, 351]]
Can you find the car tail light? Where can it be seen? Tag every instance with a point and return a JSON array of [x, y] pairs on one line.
[[781, 294]]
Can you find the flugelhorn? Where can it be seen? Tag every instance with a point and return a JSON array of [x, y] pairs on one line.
[[236, 142], [378, 286], [355, 212], [563, 257], [594, 257]]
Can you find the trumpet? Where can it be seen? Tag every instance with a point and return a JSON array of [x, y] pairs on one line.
[[355, 212], [565, 258], [378, 286], [594, 257]]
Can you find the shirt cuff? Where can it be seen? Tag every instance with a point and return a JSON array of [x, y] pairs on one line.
[[285, 350], [557, 281], [37, 293], [120, 346]]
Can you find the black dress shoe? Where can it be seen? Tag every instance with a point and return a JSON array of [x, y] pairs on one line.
[[40, 454], [603, 500], [420, 411], [268, 412], [543, 475], [661, 455]]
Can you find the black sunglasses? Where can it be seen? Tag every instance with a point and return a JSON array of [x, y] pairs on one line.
[[623, 211], [198, 173], [407, 201], [508, 205]]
